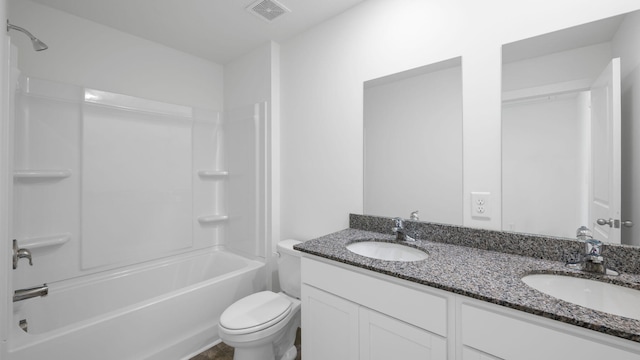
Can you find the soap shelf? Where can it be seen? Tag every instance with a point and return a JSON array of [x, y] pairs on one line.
[[44, 241], [41, 174], [212, 173], [210, 219]]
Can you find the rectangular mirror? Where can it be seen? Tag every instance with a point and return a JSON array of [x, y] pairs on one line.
[[568, 114], [413, 143]]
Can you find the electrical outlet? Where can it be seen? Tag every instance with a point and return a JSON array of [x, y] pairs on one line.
[[481, 205]]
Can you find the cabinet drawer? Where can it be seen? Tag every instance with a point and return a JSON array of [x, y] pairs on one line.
[[506, 334], [426, 309]]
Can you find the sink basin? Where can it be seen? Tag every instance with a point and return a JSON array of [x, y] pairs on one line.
[[597, 295], [387, 251]]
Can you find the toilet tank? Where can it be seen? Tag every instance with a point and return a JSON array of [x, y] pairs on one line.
[[289, 268]]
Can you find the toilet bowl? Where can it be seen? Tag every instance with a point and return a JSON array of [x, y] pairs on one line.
[[263, 326]]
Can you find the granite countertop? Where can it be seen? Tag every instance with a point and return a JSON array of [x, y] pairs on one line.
[[486, 275]]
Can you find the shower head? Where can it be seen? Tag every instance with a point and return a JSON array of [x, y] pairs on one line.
[[37, 44]]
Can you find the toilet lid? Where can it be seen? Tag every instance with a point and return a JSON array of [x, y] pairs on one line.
[[256, 312]]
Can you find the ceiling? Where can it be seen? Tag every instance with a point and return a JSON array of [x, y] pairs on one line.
[[217, 30]]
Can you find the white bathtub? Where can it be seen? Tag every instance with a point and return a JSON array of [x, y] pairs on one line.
[[163, 310]]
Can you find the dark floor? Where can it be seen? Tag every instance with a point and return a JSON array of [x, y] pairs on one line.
[[223, 351]]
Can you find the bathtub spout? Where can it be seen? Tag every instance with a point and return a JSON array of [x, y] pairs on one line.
[[24, 294]]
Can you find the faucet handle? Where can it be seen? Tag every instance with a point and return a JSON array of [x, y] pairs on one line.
[[19, 254], [593, 247], [398, 226], [593, 251]]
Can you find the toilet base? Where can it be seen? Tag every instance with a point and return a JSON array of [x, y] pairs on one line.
[[282, 348], [264, 353], [259, 352]]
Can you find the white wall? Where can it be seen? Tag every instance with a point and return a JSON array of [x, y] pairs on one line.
[[250, 79], [322, 74], [91, 55], [253, 78], [247, 79]]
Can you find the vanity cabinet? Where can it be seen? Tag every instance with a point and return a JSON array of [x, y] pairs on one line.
[[348, 315]]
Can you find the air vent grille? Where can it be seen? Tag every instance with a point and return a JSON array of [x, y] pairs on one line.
[[267, 10]]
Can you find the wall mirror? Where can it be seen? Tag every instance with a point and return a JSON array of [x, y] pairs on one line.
[[413, 143], [570, 102]]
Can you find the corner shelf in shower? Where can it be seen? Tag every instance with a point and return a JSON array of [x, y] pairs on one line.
[[41, 174], [212, 173], [210, 219], [44, 241]]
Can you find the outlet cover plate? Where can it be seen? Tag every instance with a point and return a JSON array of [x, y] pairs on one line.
[[481, 204]]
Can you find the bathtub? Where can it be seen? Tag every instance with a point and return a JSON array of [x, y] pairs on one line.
[[162, 310]]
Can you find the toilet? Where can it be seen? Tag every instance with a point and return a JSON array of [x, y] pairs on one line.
[[263, 326]]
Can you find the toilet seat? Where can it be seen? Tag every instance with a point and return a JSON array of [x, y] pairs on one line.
[[255, 312]]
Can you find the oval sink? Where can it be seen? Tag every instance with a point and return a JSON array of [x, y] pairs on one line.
[[387, 251], [597, 295]]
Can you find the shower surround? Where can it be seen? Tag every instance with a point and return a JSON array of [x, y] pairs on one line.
[[133, 209]]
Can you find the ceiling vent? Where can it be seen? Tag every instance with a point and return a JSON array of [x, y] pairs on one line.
[[267, 10]]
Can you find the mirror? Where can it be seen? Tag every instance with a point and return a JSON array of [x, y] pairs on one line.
[[413, 143], [548, 178], [567, 130]]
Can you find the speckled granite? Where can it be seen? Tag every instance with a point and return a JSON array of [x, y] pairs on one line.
[[621, 258], [482, 274]]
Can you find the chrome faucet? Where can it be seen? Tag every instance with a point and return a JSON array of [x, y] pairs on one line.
[[593, 260], [400, 231], [19, 254], [24, 294]]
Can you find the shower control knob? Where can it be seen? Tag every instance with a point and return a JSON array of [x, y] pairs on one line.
[[20, 254]]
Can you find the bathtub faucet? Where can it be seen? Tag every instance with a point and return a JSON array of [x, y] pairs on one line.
[[19, 254], [24, 294]]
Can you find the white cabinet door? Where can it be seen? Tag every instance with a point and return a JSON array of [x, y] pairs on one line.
[[330, 326], [383, 337]]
